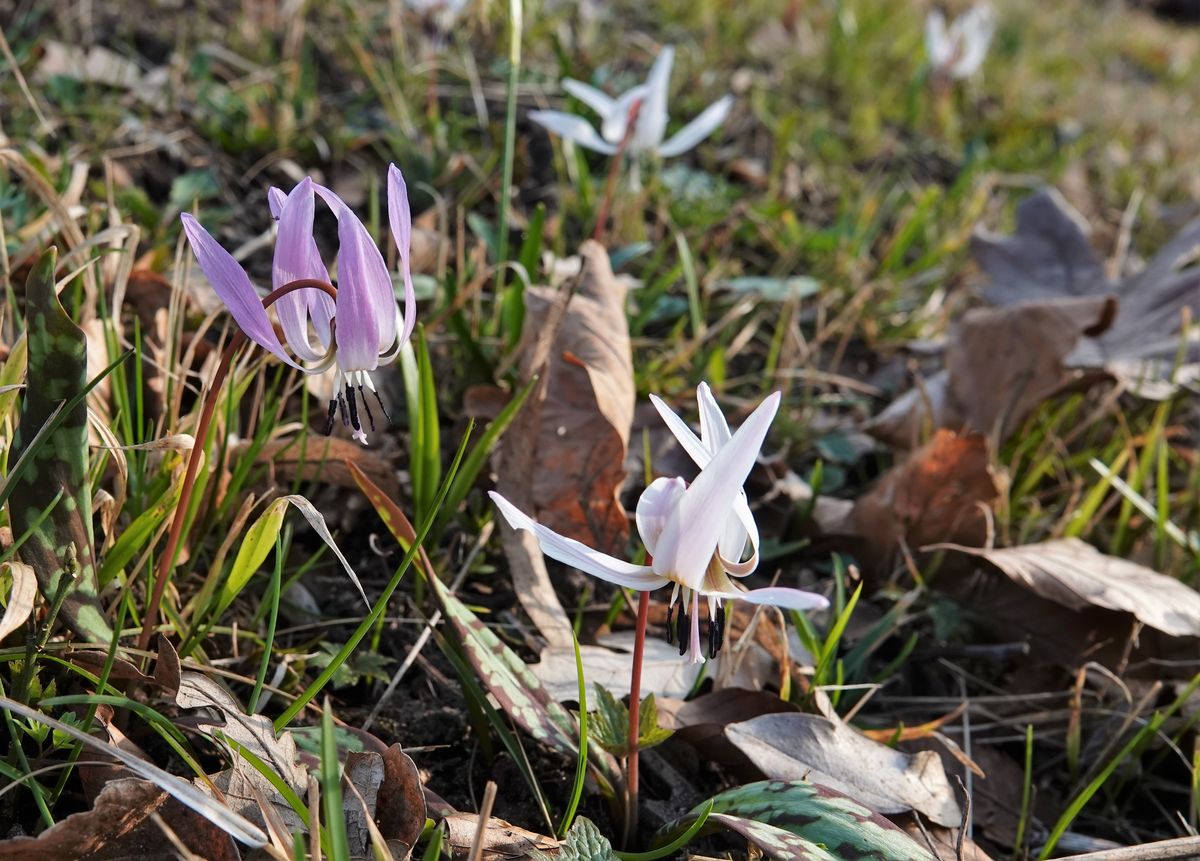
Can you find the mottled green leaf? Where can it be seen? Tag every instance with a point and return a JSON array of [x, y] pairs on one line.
[[518, 691], [610, 723], [51, 499], [843, 827], [584, 843], [775, 842]]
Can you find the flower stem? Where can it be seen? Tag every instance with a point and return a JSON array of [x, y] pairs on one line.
[[167, 559], [635, 708], [614, 171]]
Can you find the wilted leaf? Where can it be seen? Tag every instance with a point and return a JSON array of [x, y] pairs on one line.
[[324, 460], [501, 841], [567, 451], [840, 825], [400, 806], [20, 599], [228, 820], [935, 494], [100, 65], [979, 392], [1048, 257], [810, 747], [518, 691], [946, 842], [1076, 575], [52, 499], [584, 843], [253, 733]]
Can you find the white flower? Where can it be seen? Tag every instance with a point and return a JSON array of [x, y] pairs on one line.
[[695, 534], [443, 13], [960, 50], [651, 128]]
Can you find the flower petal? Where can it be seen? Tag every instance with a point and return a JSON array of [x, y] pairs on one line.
[[698, 129], [778, 596], [616, 124], [233, 286], [688, 541], [937, 41], [652, 118], [366, 302], [572, 128], [275, 199], [696, 448], [296, 258], [572, 552], [654, 507], [400, 218], [714, 430], [974, 31], [598, 101]]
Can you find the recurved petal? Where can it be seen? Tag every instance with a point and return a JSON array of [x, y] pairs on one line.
[[598, 101], [296, 258], [572, 552], [698, 129], [714, 430], [688, 541], [654, 507], [778, 596], [572, 128], [275, 199], [652, 118], [695, 447], [400, 218], [233, 286], [739, 528]]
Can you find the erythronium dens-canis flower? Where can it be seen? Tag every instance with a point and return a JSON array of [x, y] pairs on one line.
[[360, 330], [695, 534]]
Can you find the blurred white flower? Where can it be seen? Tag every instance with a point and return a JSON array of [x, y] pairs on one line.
[[959, 51], [651, 122], [442, 13]]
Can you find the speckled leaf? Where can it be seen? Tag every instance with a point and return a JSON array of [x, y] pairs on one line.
[[59, 546], [518, 691], [774, 842], [848, 830], [584, 843]]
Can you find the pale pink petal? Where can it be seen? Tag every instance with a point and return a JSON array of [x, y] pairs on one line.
[[654, 507], [698, 129], [297, 258], [400, 218], [598, 101], [652, 118], [572, 128], [777, 596]]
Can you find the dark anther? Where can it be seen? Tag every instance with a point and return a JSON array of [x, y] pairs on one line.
[[367, 407], [379, 401], [722, 621], [342, 410], [713, 645], [354, 423], [332, 417], [670, 621], [683, 633]]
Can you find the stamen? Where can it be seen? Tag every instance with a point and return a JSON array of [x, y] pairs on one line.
[[722, 620], [354, 422], [670, 630], [379, 401], [711, 631], [332, 416], [342, 409], [683, 629], [367, 407]]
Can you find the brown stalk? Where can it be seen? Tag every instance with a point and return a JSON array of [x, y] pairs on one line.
[[167, 559], [614, 171]]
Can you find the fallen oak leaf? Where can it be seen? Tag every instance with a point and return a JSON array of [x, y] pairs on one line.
[[1074, 574], [502, 841]]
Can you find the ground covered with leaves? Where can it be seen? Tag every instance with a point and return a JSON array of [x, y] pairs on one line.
[[227, 635]]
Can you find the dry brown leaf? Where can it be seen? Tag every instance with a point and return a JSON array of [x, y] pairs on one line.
[[501, 841], [256, 734], [400, 807], [945, 842], [830, 752], [20, 599], [662, 669], [935, 495], [119, 827], [1074, 574], [563, 458], [584, 416], [1001, 363]]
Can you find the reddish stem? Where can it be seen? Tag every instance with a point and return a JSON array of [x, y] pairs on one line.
[[614, 171], [167, 560], [635, 708]]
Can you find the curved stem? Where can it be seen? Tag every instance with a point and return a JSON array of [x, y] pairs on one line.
[[167, 560], [635, 708]]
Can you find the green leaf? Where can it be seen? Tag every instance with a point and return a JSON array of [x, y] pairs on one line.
[[610, 724], [51, 500], [584, 843], [826, 822], [518, 691]]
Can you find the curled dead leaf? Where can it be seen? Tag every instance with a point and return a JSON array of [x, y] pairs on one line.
[[20, 599]]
